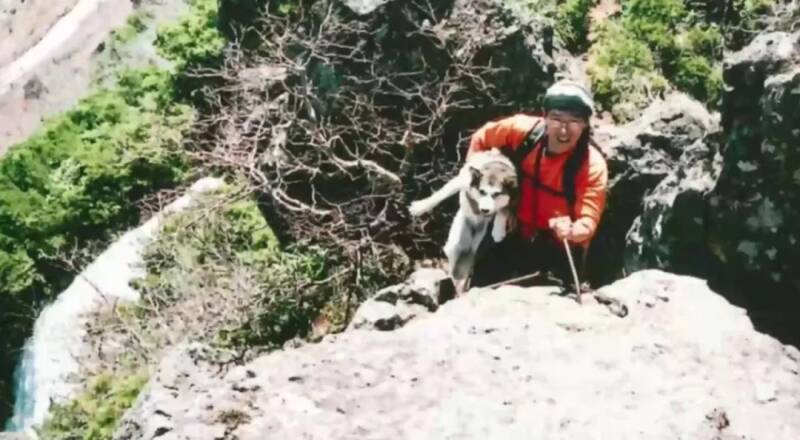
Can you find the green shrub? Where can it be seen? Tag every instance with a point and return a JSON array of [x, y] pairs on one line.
[[224, 251], [95, 414], [704, 41], [572, 23], [698, 77], [570, 18], [656, 22], [134, 25], [653, 44], [624, 74], [78, 180], [195, 41]]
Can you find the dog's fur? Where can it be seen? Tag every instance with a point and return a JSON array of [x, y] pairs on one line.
[[488, 187]]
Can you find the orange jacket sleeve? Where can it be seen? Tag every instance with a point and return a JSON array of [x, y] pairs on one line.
[[591, 197], [505, 132]]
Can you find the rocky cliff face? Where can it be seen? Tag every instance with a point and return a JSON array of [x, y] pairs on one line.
[[673, 143], [510, 363], [715, 196], [755, 206]]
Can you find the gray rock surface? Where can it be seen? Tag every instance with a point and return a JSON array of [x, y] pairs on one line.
[[518, 51], [506, 363], [754, 228], [673, 137], [394, 306], [364, 7], [671, 232]]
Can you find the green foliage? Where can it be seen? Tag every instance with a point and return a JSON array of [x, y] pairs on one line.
[[95, 414], [655, 22], [572, 22], [78, 180], [225, 249], [744, 20], [195, 41], [699, 77], [696, 67], [290, 296], [134, 25], [570, 18], [624, 74], [703, 41], [653, 44]]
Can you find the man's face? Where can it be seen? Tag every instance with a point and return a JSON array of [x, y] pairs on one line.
[[563, 130]]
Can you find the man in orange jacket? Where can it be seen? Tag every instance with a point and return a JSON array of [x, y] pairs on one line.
[[563, 185]]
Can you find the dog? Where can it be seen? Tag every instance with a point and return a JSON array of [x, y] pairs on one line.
[[488, 189]]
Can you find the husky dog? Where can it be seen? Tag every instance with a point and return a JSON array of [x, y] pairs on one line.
[[487, 186]]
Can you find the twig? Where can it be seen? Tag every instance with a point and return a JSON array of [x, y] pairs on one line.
[[513, 280]]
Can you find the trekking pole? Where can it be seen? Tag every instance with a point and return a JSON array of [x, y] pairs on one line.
[[513, 280], [574, 272]]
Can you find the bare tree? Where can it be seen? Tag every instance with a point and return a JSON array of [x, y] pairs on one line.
[[338, 120]]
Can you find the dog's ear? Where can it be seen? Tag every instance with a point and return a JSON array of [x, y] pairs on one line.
[[475, 176]]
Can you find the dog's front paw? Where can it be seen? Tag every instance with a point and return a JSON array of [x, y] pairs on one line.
[[462, 286], [498, 235], [418, 207]]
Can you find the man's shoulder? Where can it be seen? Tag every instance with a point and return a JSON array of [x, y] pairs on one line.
[[597, 161]]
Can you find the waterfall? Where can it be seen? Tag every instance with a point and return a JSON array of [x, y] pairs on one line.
[[49, 368], [23, 387]]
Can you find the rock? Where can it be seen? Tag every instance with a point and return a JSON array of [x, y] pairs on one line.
[[674, 136], [786, 17], [394, 306], [364, 7], [191, 366], [670, 233], [504, 363], [754, 224], [517, 51]]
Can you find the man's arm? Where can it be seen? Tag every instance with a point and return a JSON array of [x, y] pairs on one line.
[[507, 132], [590, 202]]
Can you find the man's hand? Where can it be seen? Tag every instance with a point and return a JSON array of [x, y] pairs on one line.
[[561, 226], [579, 232]]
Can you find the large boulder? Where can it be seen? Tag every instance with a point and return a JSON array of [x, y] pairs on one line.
[[505, 363], [674, 136], [671, 231], [754, 224]]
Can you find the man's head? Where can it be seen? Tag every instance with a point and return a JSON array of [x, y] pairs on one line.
[[568, 106]]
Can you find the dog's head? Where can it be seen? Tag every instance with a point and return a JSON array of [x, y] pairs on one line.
[[493, 186]]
